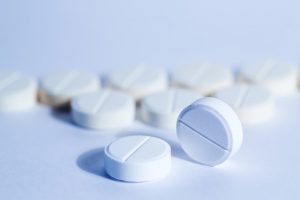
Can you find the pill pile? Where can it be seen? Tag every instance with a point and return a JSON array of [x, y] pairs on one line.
[[204, 104]]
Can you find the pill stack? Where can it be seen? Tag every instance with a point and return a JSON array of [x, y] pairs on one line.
[[205, 104]]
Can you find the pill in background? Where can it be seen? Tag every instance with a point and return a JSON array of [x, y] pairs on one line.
[[57, 88], [279, 77], [137, 158], [162, 109], [209, 131], [139, 81], [253, 103], [205, 78], [17, 91], [105, 109]]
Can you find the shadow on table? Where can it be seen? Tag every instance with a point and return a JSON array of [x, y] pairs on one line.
[[62, 114], [92, 162]]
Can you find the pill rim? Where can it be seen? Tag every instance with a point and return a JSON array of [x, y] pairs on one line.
[[232, 149]]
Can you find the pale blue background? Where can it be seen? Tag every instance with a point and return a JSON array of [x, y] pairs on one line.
[[44, 156]]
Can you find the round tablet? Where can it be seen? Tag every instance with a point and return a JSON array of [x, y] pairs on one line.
[[205, 78], [139, 81], [106, 109], [252, 103], [209, 131], [137, 158], [57, 88], [17, 91], [279, 78], [162, 109]]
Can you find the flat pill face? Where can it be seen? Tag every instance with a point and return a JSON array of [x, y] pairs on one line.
[[17, 91], [59, 87], [205, 78], [253, 103], [162, 109], [209, 131], [138, 149], [138, 158], [103, 109], [140, 80], [278, 77]]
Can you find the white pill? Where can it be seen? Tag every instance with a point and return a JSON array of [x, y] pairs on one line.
[[138, 158], [17, 91], [252, 103], [139, 81], [57, 89], [209, 131], [205, 78], [163, 108], [279, 78], [106, 109]]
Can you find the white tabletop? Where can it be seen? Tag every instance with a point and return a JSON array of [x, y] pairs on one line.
[[43, 155]]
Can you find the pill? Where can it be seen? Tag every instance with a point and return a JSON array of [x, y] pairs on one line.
[[139, 81], [57, 88], [17, 91], [209, 131], [163, 108], [106, 109], [204, 78], [280, 78], [137, 158], [252, 103]]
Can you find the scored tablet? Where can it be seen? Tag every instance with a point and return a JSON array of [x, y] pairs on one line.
[[204, 78], [139, 81], [162, 108], [280, 78], [209, 131], [138, 158], [105, 109], [57, 88], [253, 103]]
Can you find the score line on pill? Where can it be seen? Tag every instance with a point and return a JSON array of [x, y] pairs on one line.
[[137, 158], [162, 109], [204, 78], [253, 103], [57, 88], [209, 131], [139, 81], [280, 78]]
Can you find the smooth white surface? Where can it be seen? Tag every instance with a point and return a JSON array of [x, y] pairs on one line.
[[140, 80], [18, 91], [138, 158], [163, 108], [253, 103], [209, 131], [44, 156], [106, 109], [57, 88], [279, 77], [205, 78]]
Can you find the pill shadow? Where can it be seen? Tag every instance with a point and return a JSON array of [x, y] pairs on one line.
[[92, 162], [62, 114]]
